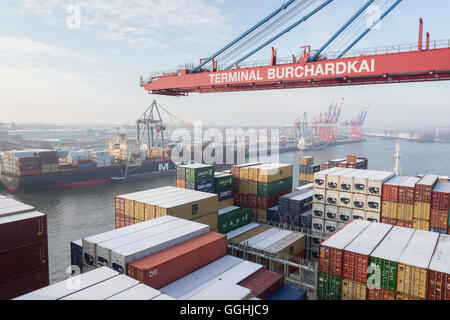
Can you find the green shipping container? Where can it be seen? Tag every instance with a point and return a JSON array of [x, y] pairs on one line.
[[271, 188], [329, 287], [233, 217], [223, 181], [388, 274], [197, 172]]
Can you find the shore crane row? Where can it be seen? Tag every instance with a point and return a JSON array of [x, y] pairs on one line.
[[226, 71]]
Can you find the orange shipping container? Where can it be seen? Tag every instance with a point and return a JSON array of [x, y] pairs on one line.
[[164, 267], [380, 294]]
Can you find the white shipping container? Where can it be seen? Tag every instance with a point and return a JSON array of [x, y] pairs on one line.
[[163, 297], [320, 178], [16, 209], [139, 292], [358, 214], [393, 244], [344, 215], [360, 182], [331, 213], [373, 216], [267, 242], [222, 290], [318, 210], [342, 238], [330, 226], [319, 196], [90, 243], [374, 203], [318, 225], [74, 284], [105, 289], [332, 197], [181, 287], [159, 226], [121, 256], [359, 201], [259, 237], [375, 183], [440, 261], [368, 240], [334, 179], [340, 225], [420, 249], [241, 230], [345, 199], [234, 275], [346, 184]]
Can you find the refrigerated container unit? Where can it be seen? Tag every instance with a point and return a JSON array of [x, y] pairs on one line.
[[412, 272], [359, 214], [334, 178], [331, 212], [375, 183], [361, 181], [320, 178], [344, 215], [319, 196], [347, 180]]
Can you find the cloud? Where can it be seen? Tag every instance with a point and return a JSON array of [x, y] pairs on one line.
[[24, 50], [142, 23]]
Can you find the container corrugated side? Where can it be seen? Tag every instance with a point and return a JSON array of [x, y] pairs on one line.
[[164, 267], [199, 277], [353, 290], [24, 284]]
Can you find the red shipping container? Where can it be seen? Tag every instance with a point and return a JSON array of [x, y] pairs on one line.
[[380, 294], [424, 188], [252, 200], [389, 221], [181, 183], [323, 166], [266, 202], [439, 219], [120, 205], [404, 223], [438, 286], [120, 221], [406, 194], [441, 196], [342, 164], [22, 261], [263, 283], [330, 260], [164, 267], [22, 230], [237, 201], [254, 212], [243, 200], [25, 284], [351, 158], [354, 266]]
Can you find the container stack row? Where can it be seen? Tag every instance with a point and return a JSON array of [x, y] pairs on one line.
[[29, 162], [188, 204], [351, 161], [23, 249], [294, 209], [224, 188], [374, 261], [199, 177], [307, 169]]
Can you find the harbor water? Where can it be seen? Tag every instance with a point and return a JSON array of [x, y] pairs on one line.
[[80, 212]]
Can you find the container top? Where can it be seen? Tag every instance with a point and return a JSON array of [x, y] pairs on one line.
[[382, 176], [274, 208], [352, 173], [182, 201], [116, 233], [198, 165], [306, 186], [246, 164], [234, 275], [104, 289], [7, 203], [156, 241], [442, 186], [343, 237], [20, 216], [420, 249], [302, 196], [396, 180], [139, 292], [364, 174], [152, 231], [294, 194], [440, 261], [330, 171], [78, 242], [241, 230], [15, 210], [222, 290], [259, 237], [163, 297], [393, 244], [272, 239], [410, 182], [341, 172], [369, 239], [199, 277], [285, 242], [428, 180], [228, 209], [144, 193], [61, 289]]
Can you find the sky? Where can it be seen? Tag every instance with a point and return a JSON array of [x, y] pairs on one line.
[[54, 70]]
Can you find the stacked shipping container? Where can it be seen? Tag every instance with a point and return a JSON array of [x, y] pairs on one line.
[[422, 202], [440, 208], [307, 170], [23, 252]]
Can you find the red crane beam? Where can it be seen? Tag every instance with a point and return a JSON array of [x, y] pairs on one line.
[[412, 66]]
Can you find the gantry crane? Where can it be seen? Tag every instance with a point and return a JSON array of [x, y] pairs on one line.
[[224, 71]]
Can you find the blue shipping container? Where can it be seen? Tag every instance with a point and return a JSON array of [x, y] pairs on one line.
[[288, 293], [272, 214], [86, 165], [225, 194], [207, 185]]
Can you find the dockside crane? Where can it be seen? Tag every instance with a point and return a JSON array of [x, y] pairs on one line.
[[227, 69]]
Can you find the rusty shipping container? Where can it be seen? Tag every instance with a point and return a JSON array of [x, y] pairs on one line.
[[390, 188], [164, 267], [424, 188], [263, 283], [380, 294], [439, 271], [406, 190], [441, 196]]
